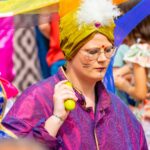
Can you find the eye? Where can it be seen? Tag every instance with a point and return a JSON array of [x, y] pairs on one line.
[[93, 51], [109, 50]]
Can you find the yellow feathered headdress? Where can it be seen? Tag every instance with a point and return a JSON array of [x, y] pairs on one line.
[[84, 18]]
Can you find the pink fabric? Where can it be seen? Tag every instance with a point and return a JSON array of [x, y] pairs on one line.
[[6, 48], [10, 90]]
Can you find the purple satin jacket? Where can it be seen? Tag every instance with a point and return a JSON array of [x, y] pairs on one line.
[[111, 127]]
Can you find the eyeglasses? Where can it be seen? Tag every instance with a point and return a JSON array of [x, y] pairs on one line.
[[94, 53]]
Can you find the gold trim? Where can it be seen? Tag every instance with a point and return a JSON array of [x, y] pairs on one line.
[[1, 116], [5, 98], [70, 81], [10, 133], [96, 140]]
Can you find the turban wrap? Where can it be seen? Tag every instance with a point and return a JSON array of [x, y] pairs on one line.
[[73, 36]]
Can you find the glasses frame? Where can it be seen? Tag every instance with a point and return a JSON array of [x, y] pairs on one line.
[[101, 50]]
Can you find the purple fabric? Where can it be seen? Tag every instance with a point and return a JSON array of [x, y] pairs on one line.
[[115, 126]]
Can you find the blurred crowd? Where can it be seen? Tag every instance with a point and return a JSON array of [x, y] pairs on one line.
[[132, 70]]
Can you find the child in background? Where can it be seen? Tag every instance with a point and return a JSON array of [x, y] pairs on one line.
[[138, 90]]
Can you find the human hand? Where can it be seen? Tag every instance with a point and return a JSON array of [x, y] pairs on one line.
[[121, 83], [147, 111], [62, 92], [126, 69]]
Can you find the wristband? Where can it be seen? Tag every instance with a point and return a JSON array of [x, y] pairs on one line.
[[58, 117]]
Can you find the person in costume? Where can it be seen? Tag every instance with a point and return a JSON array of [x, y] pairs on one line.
[[99, 120]]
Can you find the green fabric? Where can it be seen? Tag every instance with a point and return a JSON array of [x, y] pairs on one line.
[[138, 54], [122, 95], [74, 36], [119, 56]]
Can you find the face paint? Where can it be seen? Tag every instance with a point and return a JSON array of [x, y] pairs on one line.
[[85, 62], [85, 65]]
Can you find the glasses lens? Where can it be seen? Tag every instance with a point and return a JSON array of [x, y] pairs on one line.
[[109, 52], [93, 54]]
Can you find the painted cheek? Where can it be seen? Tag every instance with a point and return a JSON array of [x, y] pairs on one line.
[[86, 59], [85, 62]]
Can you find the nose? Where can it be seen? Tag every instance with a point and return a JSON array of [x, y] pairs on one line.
[[101, 57]]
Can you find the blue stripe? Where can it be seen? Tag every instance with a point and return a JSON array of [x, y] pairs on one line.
[[2, 100], [126, 23]]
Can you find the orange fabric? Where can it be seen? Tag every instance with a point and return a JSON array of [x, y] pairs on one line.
[[117, 2], [55, 53], [67, 6]]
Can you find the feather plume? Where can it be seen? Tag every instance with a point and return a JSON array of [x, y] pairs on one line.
[[97, 11]]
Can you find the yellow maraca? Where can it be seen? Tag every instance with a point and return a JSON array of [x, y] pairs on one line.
[[70, 104]]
